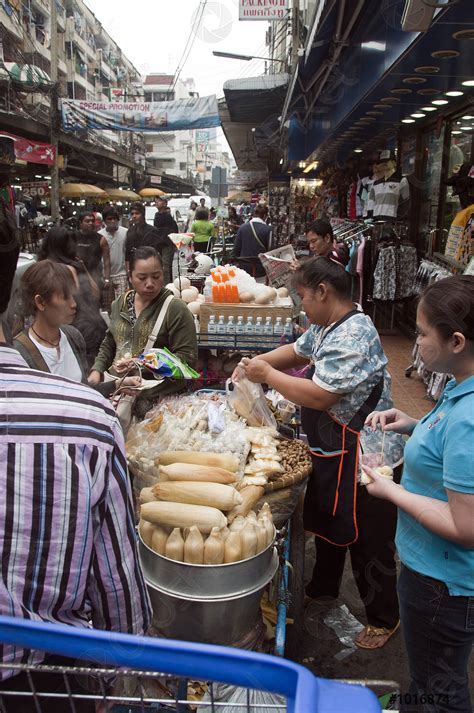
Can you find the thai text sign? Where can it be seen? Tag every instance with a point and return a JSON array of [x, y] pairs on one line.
[[182, 114], [262, 9]]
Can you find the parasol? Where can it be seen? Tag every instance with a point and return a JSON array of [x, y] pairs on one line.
[[239, 196], [150, 192], [81, 190], [119, 194]]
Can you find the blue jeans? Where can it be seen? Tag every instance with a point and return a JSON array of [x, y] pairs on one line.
[[439, 632]]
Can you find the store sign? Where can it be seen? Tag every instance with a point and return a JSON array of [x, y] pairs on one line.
[[202, 141], [262, 9], [155, 180], [36, 189], [32, 151], [182, 114]]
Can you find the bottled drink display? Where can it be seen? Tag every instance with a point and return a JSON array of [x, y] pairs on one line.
[[258, 326], [212, 326], [249, 328], [221, 325], [240, 327], [268, 327], [278, 328], [230, 329]]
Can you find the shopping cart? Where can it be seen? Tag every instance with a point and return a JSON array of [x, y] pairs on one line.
[[171, 663]]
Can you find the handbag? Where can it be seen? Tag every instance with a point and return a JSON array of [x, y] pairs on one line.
[[123, 403], [257, 238]]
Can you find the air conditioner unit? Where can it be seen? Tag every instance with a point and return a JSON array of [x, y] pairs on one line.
[[417, 16]]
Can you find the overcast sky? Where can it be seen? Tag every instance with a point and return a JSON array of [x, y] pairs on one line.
[[153, 34]]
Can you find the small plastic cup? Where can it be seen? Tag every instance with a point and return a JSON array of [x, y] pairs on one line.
[[285, 410]]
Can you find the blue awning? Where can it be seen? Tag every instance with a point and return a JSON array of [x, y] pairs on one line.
[[381, 77]]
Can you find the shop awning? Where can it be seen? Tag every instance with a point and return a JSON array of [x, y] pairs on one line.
[[122, 194], [253, 99], [26, 74], [81, 190], [382, 75]]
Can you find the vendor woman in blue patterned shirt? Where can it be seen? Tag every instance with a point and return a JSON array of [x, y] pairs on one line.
[[347, 380]]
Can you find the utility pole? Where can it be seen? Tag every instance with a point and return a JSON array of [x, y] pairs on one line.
[[54, 112], [295, 32]]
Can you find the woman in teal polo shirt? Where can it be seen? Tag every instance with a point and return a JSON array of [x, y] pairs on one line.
[[435, 500]]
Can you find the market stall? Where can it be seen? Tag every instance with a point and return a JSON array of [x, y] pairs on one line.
[[216, 487]]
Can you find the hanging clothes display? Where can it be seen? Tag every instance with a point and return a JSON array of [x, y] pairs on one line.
[[389, 198], [429, 272], [394, 274], [459, 245]]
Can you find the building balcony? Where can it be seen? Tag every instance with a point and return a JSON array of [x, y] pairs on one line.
[[11, 23]]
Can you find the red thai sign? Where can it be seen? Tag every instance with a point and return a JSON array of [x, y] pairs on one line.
[[32, 151]]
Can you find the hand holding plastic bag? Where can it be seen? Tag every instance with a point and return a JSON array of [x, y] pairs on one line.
[[248, 400]]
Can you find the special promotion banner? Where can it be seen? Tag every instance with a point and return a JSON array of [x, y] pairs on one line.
[[192, 113]]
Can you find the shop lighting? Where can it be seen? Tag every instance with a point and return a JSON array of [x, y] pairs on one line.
[[38, 176], [456, 132], [408, 121], [467, 118], [311, 166], [357, 150], [466, 128], [281, 161], [454, 94], [302, 164], [468, 83], [428, 108], [417, 116], [440, 102]]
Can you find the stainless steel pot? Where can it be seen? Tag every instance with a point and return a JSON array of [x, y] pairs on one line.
[[206, 582], [223, 620]]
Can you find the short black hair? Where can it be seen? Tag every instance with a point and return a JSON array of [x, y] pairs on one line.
[[138, 206], [110, 212], [449, 306], [144, 253], [325, 270], [202, 214], [84, 214], [320, 227]]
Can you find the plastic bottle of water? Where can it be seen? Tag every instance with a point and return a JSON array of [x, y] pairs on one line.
[[211, 325], [259, 326], [268, 327], [221, 325], [278, 328], [288, 328], [230, 325], [240, 327], [207, 291], [249, 327]]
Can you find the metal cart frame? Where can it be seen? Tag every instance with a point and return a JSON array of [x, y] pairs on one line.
[[303, 691]]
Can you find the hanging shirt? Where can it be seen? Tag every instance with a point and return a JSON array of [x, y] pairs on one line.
[[459, 243], [388, 198]]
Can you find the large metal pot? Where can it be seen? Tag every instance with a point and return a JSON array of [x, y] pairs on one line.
[[217, 604], [205, 581], [217, 620]]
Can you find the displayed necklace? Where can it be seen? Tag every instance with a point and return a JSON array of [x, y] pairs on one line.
[[43, 339]]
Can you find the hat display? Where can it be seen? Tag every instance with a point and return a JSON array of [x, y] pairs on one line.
[[385, 155]]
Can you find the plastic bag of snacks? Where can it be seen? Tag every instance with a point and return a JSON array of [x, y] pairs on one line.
[[248, 400], [163, 364]]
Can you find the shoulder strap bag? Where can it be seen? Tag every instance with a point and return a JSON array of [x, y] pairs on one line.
[[123, 403]]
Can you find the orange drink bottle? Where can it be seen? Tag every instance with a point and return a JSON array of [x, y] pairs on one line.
[[234, 293], [231, 272], [225, 276], [221, 292], [215, 292], [228, 291]]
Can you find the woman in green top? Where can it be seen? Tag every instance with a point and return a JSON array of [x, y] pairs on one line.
[[203, 230]]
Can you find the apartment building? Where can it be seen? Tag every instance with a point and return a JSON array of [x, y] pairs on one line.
[[189, 155], [90, 66]]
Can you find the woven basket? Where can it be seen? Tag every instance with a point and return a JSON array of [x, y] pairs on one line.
[[286, 480]]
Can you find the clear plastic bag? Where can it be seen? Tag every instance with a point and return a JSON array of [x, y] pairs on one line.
[[248, 401]]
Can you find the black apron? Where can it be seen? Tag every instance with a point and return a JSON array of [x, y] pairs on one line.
[[331, 495]]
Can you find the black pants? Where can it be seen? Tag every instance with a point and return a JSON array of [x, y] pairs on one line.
[[46, 682], [372, 559]]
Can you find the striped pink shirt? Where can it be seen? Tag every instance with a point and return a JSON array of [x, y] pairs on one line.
[[67, 535]]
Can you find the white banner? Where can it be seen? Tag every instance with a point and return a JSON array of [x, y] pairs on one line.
[[192, 113], [263, 9]]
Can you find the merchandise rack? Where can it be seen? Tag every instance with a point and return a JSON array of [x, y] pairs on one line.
[[241, 342]]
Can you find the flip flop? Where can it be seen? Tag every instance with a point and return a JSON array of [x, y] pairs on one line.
[[374, 632]]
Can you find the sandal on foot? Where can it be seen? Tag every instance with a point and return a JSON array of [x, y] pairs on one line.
[[376, 633]]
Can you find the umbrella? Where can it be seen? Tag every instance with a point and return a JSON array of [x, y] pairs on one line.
[[118, 194], [81, 190], [239, 196], [150, 192]]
